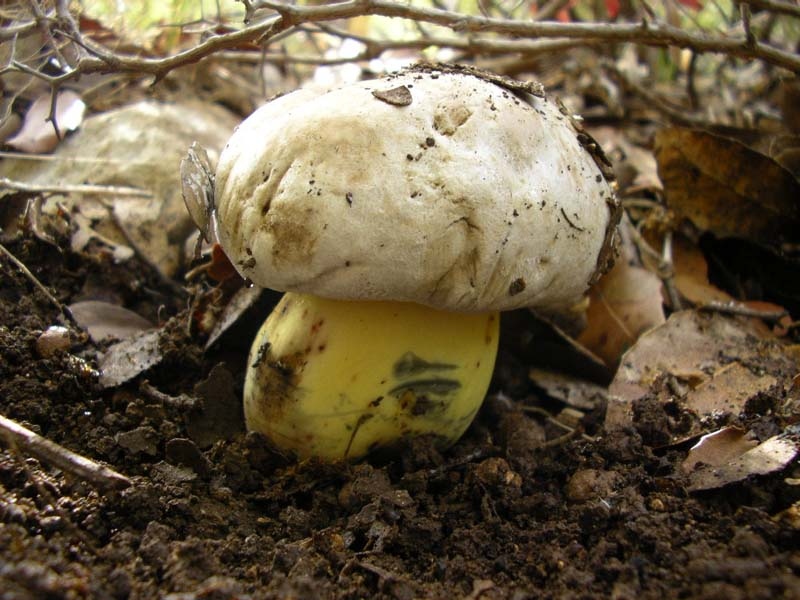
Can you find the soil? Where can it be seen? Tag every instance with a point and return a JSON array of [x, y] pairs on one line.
[[513, 510]]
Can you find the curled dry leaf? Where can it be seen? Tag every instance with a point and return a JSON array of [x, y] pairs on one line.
[[624, 304], [691, 274], [38, 133], [726, 188], [707, 364], [634, 166], [717, 448], [241, 301]]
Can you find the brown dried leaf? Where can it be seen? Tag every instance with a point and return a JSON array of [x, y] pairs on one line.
[[724, 187], [728, 390], [770, 456], [717, 448], [624, 304], [397, 96], [704, 363], [691, 274]]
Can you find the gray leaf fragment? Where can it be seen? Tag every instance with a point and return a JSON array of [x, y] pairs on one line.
[[127, 359]]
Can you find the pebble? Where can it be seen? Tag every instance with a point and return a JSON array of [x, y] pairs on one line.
[[53, 340]]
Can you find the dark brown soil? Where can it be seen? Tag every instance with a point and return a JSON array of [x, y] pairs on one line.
[[214, 513]]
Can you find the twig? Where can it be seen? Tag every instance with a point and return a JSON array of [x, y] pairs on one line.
[[112, 190], [664, 267], [571, 432], [99, 59], [735, 308], [650, 34], [777, 7], [39, 285], [750, 37], [43, 449], [667, 273], [182, 402]]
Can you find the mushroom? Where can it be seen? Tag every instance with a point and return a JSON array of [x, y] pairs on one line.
[[400, 216]]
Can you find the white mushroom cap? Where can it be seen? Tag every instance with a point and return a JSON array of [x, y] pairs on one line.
[[438, 187]]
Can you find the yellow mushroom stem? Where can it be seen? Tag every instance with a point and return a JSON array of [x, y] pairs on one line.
[[337, 379]]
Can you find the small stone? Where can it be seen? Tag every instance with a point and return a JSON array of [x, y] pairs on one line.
[[588, 484], [496, 472], [53, 340]]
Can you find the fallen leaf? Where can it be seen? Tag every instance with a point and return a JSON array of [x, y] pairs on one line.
[[728, 389], [726, 188], [241, 301], [624, 304], [126, 359], [197, 185], [38, 135], [573, 392], [635, 167], [691, 274], [105, 321], [717, 448], [768, 457], [703, 364]]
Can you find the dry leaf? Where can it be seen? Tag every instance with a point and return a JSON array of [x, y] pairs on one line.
[[570, 390], [728, 389], [769, 457], [724, 187], [624, 304], [125, 360], [691, 274], [634, 166], [242, 300], [106, 321], [704, 363], [717, 448], [38, 135], [140, 146]]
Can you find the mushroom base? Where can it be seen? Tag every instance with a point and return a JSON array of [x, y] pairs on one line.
[[337, 379]]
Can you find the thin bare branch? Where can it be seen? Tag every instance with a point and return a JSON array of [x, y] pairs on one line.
[[43, 449], [777, 7], [485, 35], [650, 34], [9, 32], [736, 308], [110, 190]]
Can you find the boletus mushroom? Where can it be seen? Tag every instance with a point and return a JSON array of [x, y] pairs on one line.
[[400, 216]]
